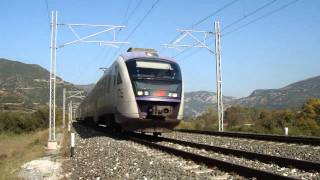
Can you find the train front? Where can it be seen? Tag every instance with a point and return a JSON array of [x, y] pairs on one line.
[[158, 88]]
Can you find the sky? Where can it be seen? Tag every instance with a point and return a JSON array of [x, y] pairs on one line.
[[271, 52]]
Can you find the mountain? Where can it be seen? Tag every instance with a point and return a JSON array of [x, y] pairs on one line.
[[87, 87], [198, 101], [27, 85], [291, 96]]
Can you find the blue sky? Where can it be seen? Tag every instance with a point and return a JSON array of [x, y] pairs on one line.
[[270, 53]]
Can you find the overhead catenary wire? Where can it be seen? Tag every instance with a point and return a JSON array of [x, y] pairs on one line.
[[240, 19], [138, 24], [142, 20], [260, 17], [204, 19], [48, 12], [249, 14], [125, 21], [127, 10], [252, 21], [213, 13]]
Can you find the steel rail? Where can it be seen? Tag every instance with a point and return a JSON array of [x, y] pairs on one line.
[[278, 138], [211, 162], [281, 161]]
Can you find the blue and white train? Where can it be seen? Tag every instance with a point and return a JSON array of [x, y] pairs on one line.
[[141, 91]]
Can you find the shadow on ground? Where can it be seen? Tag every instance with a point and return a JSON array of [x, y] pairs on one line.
[[88, 130]]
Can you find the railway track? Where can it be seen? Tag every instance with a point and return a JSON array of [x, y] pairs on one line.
[[242, 170], [281, 161], [278, 138], [224, 165], [212, 162]]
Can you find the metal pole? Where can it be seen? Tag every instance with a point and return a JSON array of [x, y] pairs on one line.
[[64, 108], [52, 143], [218, 74], [71, 109], [69, 116]]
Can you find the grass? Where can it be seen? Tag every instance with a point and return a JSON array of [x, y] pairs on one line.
[[18, 149], [65, 149]]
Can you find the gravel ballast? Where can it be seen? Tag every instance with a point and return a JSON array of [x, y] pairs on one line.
[[98, 156], [291, 172], [294, 151]]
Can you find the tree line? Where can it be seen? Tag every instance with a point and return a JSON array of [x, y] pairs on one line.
[[17, 122], [305, 121]]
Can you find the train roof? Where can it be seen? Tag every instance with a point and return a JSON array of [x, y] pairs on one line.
[[141, 54]]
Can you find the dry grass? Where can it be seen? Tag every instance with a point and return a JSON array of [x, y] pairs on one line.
[[18, 149], [65, 149]]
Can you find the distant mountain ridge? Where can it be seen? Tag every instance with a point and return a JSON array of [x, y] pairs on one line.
[[291, 96], [27, 85], [197, 102]]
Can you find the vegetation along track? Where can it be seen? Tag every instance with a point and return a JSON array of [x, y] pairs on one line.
[[265, 137]]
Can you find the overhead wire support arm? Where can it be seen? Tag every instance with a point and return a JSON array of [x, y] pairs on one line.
[[197, 42], [76, 94], [185, 33], [88, 39]]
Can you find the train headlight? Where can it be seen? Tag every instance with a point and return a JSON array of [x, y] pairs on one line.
[[174, 95], [140, 93], [170, 94], [146, 93]]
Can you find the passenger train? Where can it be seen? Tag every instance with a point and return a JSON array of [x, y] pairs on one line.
[[141, 91]]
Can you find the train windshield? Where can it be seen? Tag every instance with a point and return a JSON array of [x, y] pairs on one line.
[[154, 77], [153, 70]]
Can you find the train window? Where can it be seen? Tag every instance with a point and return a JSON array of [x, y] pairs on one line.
[[119, 80]]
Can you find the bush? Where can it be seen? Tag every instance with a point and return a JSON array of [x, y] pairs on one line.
[[20, 122], [207, 121], [303, 122]]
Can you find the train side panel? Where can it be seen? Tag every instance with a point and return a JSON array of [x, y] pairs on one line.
[[126, 104]]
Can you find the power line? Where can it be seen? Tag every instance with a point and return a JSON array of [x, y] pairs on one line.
[[204, 19], [132, 12], [254, 20], [126, 13], [249, 14], [261, 17], [125, 23], [214, 13], [48, 12], [141, 21]]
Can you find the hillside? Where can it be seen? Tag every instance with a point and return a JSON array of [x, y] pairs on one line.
[[198, 101], [291, 96], [26, 85], [87, 88]]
